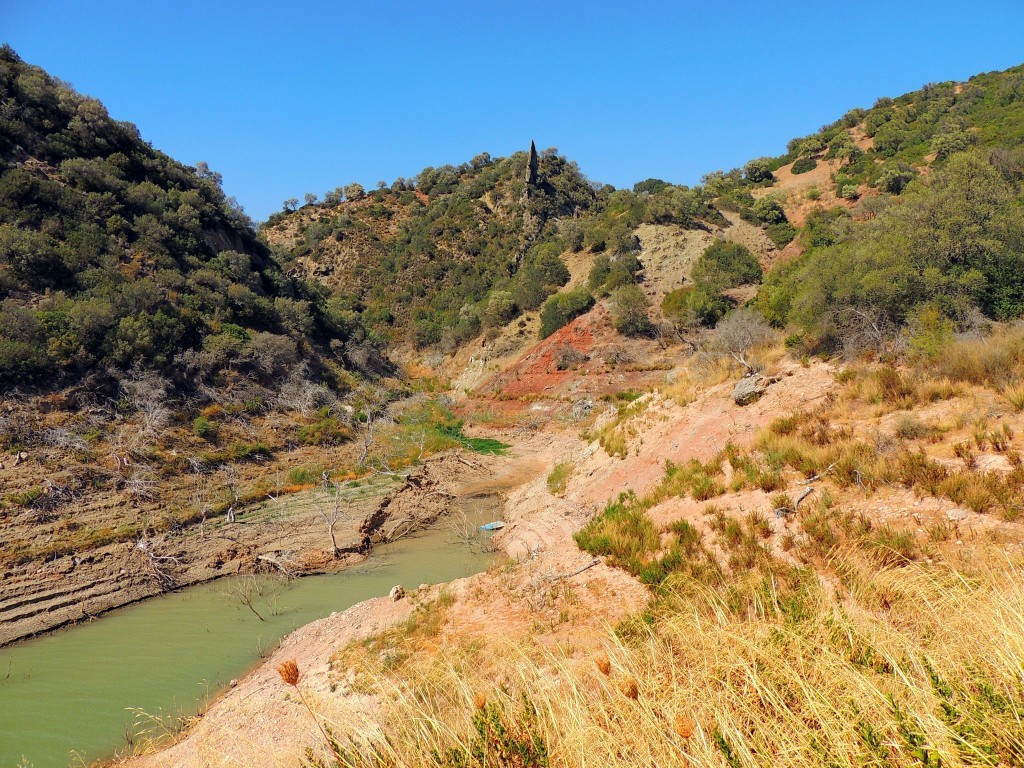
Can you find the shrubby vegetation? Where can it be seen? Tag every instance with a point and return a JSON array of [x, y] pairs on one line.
[[947, 251], [630, 310], [114, 257], [437, 258], [561, 308], [474, 245], [726, 265], [722, 266]]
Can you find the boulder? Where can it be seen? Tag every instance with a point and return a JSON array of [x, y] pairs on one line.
[[750, 389], [397, 592]]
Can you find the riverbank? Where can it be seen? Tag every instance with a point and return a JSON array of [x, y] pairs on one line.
[[287, 533], [547, 588]]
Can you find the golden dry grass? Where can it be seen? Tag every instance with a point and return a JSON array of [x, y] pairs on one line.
[[911, 665]]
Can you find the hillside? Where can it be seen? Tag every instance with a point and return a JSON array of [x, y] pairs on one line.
[[824, 572], [436, 260], [115, 257]]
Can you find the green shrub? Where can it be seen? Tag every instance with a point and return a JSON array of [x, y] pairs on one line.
[[629, 311], [305, 475], [204, 428], [328, 429], [781, 234], [561, 308], [804, 164], [559, 477], [768, 210], [725, 265], [758, 171], [689, 307]]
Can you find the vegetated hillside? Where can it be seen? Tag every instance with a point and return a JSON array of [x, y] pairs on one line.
[[113, 256], [436, 259], [160, 373], [904, 214], [913, 228]]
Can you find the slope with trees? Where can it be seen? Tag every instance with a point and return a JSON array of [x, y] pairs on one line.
[[113, 256]]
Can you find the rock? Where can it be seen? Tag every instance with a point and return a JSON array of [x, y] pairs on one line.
[[750, 389], [955, 515], [397, 592], [233, 683]]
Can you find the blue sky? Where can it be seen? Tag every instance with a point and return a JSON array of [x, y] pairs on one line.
[[285, 98]]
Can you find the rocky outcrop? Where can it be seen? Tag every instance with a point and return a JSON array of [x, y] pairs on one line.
[[749, 390]]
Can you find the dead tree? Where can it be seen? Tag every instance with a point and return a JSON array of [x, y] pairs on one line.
[[160, 566], [230, 480], [332, 507], [737, 335], [375, 410]]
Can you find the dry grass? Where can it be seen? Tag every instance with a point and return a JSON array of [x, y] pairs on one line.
[[996, 360], [559, 476], [614, 436], [1014, 395], [909, 665]]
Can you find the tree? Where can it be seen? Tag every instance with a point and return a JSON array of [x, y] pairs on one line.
[[757, 171], [769, 210], [291, 204], [629, 311], [894, 180], [649, 186], [333, 506], [310, 198], [354, 191], [204, 172]]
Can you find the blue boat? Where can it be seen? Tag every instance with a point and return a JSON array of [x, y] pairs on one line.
[[497, 525]]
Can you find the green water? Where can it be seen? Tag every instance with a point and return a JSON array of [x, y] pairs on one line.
[[72, 693]]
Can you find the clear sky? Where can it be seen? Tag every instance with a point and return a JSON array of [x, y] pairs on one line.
[[285, 98]]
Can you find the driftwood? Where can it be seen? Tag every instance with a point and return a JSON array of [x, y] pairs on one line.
[[591, 564], [276, 563], [818, 476], [786, 511], [158, 564], [801, 497]]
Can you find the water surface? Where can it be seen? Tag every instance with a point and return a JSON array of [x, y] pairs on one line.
[[75, 695]]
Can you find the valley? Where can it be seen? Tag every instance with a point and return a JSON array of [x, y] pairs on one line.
[[755, 445]]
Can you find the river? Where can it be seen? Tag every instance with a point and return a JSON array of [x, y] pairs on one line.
[[80, 693]]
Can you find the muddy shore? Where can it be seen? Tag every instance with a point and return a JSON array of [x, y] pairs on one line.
[[284, 533]]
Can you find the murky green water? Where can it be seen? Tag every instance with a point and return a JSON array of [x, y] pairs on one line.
[[73, 692]]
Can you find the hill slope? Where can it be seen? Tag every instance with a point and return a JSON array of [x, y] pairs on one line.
[[460, 249], [113, 255]]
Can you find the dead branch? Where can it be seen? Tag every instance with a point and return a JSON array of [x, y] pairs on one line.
[[801, 497], [158, 564], [277, 564], [817, 477], [591, 564]]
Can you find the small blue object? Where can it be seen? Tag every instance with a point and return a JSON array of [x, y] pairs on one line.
[[497, 525]]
